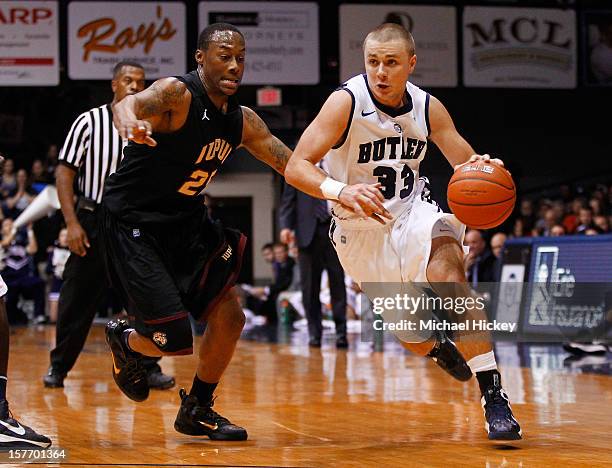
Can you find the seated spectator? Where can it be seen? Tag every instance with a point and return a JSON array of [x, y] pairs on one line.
[[51, 161], [40, 178], [9, 181], [262, 300], [19, 272], [571, 220], [497, 248], [527, 216], [19, 199], [596, 206], [518, 229], [58, 255], [602, 223], [267, 252], [479, 263], [545, 224], [557, 230], [585, 219]]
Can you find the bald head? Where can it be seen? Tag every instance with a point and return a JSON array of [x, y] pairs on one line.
[[388, 32], [497, 243], [474, 240]]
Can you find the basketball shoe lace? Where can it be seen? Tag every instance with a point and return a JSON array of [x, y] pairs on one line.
[[498, 405], [206, 413]]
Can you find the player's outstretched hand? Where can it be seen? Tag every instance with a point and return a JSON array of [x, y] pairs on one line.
[[481, 157], [139, 131], [366, 200]]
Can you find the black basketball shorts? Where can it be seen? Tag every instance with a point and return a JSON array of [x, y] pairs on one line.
[[163, 272]]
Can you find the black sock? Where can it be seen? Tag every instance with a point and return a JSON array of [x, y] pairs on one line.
[[3, 382], [203, 390], [125, 336], [488, 378]]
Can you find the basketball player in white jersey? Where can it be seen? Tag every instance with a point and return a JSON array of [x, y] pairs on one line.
[[373, 132]]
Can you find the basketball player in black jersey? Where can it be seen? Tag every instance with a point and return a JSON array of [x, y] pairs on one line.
[[166, 258]]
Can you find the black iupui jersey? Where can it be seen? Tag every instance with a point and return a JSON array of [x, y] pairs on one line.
[[165, 183]]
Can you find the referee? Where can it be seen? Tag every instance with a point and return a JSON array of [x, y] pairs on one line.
[[92, 151]]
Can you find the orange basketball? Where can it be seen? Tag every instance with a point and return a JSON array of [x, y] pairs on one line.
[[481, 195]]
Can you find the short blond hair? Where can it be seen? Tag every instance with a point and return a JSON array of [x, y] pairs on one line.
[[392, 31]]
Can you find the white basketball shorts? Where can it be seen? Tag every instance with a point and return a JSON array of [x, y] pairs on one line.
[[397, 252]]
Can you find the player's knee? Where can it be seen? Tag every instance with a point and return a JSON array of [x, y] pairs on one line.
[[228, 318], [236, 320], [174, 337]]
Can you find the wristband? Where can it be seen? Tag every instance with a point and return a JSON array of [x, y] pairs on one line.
[[331, 188]]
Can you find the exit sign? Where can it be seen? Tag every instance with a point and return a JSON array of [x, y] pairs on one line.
[[269, 96]]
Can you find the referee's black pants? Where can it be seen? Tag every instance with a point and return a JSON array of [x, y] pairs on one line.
[[84, 291]]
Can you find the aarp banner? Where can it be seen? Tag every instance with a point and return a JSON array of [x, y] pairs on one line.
[[29, 43], [101, 34], [433, 28], [282, 38], [519, 47]]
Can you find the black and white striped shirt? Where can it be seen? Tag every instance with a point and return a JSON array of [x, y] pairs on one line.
[[94, 148]]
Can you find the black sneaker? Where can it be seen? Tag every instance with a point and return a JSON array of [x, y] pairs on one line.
[[54, 379], [193, 419], [14, 435], [499, 420], [128, 370], [446, 355], [159, 381]]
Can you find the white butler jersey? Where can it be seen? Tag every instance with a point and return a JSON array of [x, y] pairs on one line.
[[382, 144]]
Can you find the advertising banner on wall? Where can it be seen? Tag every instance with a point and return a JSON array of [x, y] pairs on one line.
[[434, 30], [101, 34], [282, 38], [29, 43], [519, 47]]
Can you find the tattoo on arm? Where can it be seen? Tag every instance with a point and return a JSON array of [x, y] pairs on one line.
[[280, 154], [159, 98], [254, 121], [265, 146]]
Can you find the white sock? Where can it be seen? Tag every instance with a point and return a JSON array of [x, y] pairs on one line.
[[482, 362]]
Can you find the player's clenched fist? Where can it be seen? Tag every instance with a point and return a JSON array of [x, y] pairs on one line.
[[366, 200]]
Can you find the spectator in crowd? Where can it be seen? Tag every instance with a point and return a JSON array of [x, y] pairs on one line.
[[571, 220], [21, 196], [527, 216], [267, 252], [602, 223], [283, 266], [585, 219], [262, 300], [19, 272], [557, 230], [545, 224], [590, 232], [479, 263], [51, 161], [58, 255], [40, 178], [497, 248], [596, 206], [9, 181], [518, 229]]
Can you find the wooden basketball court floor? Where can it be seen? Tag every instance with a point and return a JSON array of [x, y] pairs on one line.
[[315, 408]]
